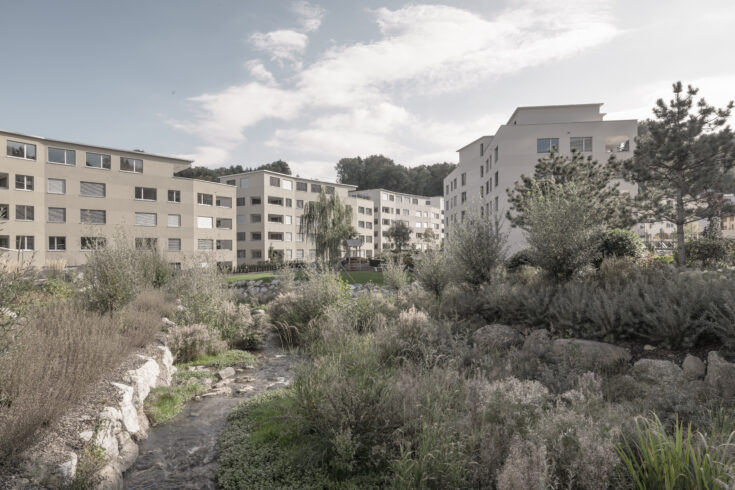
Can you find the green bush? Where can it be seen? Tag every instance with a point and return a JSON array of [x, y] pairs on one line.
[[189, 342], [708, 252], [519, 259], [202, 292], [414, 338], [432, 271], [394, 273], [113, 275], [619, 243], [239, 328], [155, 267], [474, 250]]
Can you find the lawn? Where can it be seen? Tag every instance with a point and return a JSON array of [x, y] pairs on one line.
[[357, 277], [250, 276]]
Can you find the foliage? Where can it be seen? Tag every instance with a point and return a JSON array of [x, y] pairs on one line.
[[113, 274], [379, 172], [225, 359], [399, 234], [432, 271], [155, 267], [328, 220], [682, 160], [708, 252], [519, 259], [394, 273], [475, 248], [239, 328], [165, 402], [619, 243], [213, 174], [190, 342], [202, 293], [414, 338]]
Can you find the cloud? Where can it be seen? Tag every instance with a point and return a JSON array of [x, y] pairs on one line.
[[259, 72], [355, 97]]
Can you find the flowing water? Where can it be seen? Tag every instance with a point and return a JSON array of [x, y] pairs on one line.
[[182, 453]]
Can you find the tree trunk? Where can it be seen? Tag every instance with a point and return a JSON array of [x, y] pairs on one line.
[[680, 221]]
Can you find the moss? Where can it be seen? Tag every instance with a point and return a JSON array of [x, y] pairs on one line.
[[166, 402]]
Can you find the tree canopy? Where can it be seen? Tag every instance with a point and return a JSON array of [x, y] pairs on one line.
[[328, 221], [400, 234], [213, 174], [377, 171]]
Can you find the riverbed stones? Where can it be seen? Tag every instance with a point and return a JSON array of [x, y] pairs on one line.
[[693, 367], [720, 375], [657, 371], [225, 373], [590, 354], [495, 337]]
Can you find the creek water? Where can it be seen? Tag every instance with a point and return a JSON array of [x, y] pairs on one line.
[[182, 453]]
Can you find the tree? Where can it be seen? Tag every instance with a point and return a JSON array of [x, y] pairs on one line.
[[682, 161], [278, 166], [593, 183], [474, 248], [429, 236], [377, 171], [328, 221], [213, 174], [399, 233]]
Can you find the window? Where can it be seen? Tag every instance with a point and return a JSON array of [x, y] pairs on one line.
[[418, 225], [242, 236], [21, 150], [299, 237], [256, 254], [174, 244], [24, 182], [300, 253], [204, 222], [146, 193], [240, 201], [92, 242], [4, 241], [174, 196], [97, 160], [57, 215], [146, 219], [24, 213], [299, 204], [56, 186], [386, 222], [4, 212], [255, 218], [146, 243], [288, 236], [131, 165], [368, 239], [241, 254], [289, 254], [255, 201], [482, 171], [174, 221], [93, 216], [204, 199], [316, 188], [4, 180], [361, 224], [287, 184], [224, 223], [497, 180], [615, 144], [545, 145], [496, 204], [289, 203], [447, 191], [232, 182], [464, 179], [256, 236], [368, 225], [94, 189], [244, 183], [205, 244], [61, 156], [275, 218], [276, 201], [240, 219], [495, 155], [56, 243], [580, 143], [224, 202], [275, 236], [414, 201], [464, 198], [275, 182], [312, 253], [330, 189], [288, 219], [24, 242], [482, 149], [301, 186], [224, 244]]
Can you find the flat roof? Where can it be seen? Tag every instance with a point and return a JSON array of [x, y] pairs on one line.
[[557, 106], [395, 192], [286, 176], [475, 141], [137, 152]]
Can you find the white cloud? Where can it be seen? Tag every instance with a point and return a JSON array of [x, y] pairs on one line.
[[282, 45], [310, 15], [259, 72]]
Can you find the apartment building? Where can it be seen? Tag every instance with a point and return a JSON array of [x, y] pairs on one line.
[[491, 164], [423, 215], [270, 206], [59, 200]]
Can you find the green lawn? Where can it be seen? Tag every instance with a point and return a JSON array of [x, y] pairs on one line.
[[250, 276], [358, 277]]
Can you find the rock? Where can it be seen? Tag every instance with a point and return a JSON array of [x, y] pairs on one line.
[[224, 391], [144, 426], [258, 312], [496, 337], [223, 383], [657, 371], [128, 411], [225, 373], [67, 470], [143, 379], [128, 451], [166, 367], [180, 308], [720, 375], [246, 389], [537, 342], [110, 478], [693, 367], [167, 323], [648, 347], [590, 354]]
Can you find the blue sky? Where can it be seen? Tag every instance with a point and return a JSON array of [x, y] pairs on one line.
[[234, 82]]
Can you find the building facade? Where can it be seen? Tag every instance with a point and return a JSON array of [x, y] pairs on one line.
[[269, 208], [492, 164], [423, 215], [59, 200]]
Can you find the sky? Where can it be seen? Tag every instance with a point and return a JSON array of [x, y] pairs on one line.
[[249, 82]]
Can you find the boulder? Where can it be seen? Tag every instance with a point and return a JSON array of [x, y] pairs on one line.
[[720, 375], [590, 354], [67, 470], [693, 367], [166, 366], [110, 478], [225, 373], [143, 379], [657, 371], [496, 337], [128, 451], [127, 408], [537, 342], [167, 323]]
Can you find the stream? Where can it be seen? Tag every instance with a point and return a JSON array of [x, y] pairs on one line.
[[182, 453]]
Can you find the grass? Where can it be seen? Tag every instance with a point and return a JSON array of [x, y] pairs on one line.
[[227, 358], [356, 277], [250, 276], [166, 402]]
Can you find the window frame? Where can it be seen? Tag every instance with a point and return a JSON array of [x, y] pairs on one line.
[[25, 208], [177, 196], [55, 240], [135, 161], [102, 161], [25, 150], [550, 142], [66, 155], [143, 191], [26, 179]]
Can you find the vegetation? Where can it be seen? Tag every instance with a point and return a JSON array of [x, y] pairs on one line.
[[213, 174], [165, 402], [399, 234], [475, 248], [328, 220], [379, 172]]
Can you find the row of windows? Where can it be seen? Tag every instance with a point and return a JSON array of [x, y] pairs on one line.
[[62, 156], [59, 243], [284, 184], [397, 198], [583, 144]]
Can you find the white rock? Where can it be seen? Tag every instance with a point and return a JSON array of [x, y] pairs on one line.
[[143, 379], [225, 373], [127, 408], [128, 451], [110, 478], [167, 323], [68, 469], [166, 367]]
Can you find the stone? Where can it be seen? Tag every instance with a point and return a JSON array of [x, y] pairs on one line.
[[720, 375], [258, 312], [128, 450], [167, 323], [166, 367], [648, 347], [67, 470], [110, 478], [143, 379], [657, 371], [497, 337], [693, 367], [223, 383], [128, 411], [537, 342], [225, 373], [144, 426], [107, 441], [590, 354], [224, 391]]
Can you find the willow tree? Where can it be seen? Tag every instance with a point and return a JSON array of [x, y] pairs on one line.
[[328, 221]]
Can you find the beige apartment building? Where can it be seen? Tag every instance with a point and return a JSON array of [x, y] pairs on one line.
[[423, 215], [269, 207], [490, 165], [59, 199]]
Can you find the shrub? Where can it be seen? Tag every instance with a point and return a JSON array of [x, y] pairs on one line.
[[192, 341], [414, 338], [619, 243], [202, 293], [155, 267], [367, 312], [475, 248], [239, 328], [394, 274], [432, 272], [525, 468], [112, 275], [519, 259], [708, 252]]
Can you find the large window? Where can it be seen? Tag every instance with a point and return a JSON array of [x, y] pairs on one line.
[[244, 183], [545, 145], [62, 156], [146, 219], [316, 188], [256, 201], [256, 236], [580, 143], [146, 243], [276, 201], [93, 242], [98, 160], [240, 201], [224, 245], [92, 189], [57, 215], [93, 216], [4, 180], [174, 220], [56, 186], [204, 222], [287, 184], [301, 186], [24, 213], [255, 218], [240, 219], [4, 241], [174, 195], [131, 165], [24, 182], [21, 150], [224, 202], [204, 199], [205, 244], [24, 242], [242, 236], [56, 243], [146, 193], [174, 244], [224, 223], [464, 179], [275, 182], [615, 144]]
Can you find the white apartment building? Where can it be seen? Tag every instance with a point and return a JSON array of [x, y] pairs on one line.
[[269, 207], [490, 165], [60, 199], [423, 215]]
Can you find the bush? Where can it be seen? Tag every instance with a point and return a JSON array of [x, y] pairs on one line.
[[189, 342], [708, 252], [519, 259], [394, 274], [414, 338], [432, 272], [474, 249], [155, 267], [239, 328], [202, 293], [619, 243]]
